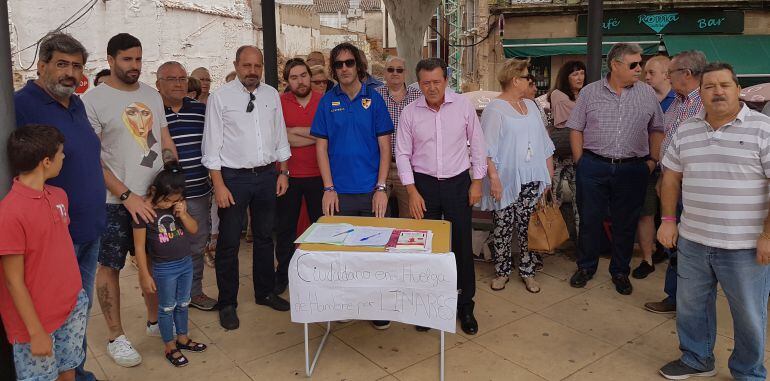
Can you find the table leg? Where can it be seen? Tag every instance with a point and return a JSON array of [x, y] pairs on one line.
[[310, 367], [441, 372]]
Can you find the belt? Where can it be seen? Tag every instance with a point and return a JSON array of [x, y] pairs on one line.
[[625, 160], [261, 169]]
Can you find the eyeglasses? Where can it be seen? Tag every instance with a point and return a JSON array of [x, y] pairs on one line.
[[175, 79], [250, 106], [398, 70], [634, 65], [62, 64], [674, 71], [349, 63]]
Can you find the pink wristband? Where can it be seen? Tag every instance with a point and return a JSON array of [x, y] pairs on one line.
[[668, 218]]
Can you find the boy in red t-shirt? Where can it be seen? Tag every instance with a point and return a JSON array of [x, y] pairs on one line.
[[42, 302]]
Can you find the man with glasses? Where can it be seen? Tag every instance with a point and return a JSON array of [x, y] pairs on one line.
[[202, 74], [684, 71], [51, 100], [353, 130], [617, 128], [185, 117], [244, 135], [397, 95]]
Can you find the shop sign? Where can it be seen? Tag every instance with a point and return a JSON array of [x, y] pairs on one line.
[[672, 22]]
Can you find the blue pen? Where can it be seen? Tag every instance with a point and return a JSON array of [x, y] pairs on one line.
[[371, 236], [345, 232]]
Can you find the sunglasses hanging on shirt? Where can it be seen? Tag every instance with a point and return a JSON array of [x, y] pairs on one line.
[[250, 106]]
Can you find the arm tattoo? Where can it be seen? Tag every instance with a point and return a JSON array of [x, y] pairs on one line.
[[167, 155]]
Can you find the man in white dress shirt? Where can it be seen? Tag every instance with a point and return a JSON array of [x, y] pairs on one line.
[[243, 137]]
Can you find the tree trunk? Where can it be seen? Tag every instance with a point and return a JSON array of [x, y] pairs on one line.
[[410, 19]]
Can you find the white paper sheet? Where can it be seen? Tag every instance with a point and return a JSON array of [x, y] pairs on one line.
[[411, 288], [333, 234], [368, 236]]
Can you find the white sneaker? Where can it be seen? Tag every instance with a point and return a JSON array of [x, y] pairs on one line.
[[153, 330], [123, 353]]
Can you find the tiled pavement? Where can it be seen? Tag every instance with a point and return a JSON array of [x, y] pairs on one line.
[[561, 333]]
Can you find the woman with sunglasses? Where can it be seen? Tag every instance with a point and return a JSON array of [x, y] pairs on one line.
[[319, 81], [569, 82], [520, 168]]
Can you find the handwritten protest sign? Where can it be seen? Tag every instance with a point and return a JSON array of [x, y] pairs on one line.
[[412, 288]]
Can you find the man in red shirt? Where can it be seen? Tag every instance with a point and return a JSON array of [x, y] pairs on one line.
[[299, 106], [42, 301]]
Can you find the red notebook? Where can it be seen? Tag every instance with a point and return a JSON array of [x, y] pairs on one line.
[[404, 239]]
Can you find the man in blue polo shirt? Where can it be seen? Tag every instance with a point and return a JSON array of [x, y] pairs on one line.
[[353, 126], [50, 100], [186, 117]]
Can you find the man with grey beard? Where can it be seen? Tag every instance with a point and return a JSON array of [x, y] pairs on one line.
[[50, 100]]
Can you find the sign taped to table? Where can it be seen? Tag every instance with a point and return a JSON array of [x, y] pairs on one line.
[[412, 288]]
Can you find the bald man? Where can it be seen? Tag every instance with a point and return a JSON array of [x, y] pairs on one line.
[[244, 136]]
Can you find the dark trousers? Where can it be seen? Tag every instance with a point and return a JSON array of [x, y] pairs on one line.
[[357, 205], [255, 192], [287, 212], [449, 199], [7, 372], [669, 287], [621, 187]]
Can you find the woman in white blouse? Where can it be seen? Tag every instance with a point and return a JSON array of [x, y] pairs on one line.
[[520, 170]]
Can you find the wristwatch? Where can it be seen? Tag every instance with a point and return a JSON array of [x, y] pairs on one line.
[[124, 196], [381, 188], [329, 189], [284, 172]]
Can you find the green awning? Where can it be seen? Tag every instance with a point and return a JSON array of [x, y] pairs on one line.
[[543, 47], [749, 54]]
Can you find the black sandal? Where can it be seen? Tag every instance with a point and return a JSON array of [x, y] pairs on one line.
[[176, 361], [196, 347]]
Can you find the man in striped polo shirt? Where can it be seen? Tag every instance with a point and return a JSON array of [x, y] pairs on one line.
[[185, 119], [719, 161]]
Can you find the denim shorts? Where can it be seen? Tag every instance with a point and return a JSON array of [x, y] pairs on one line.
[[117, 239], [67, 348]]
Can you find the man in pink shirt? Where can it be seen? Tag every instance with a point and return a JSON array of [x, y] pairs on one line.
[[433, 162]]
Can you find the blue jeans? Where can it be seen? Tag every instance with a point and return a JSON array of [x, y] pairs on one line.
[[87, 254], [174, 281], [619, 188], [745, 283]]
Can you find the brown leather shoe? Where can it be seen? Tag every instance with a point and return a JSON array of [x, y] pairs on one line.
[[661, 307]]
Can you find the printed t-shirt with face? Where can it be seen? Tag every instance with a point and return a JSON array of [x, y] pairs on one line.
[[166, 239], [129, 124]]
